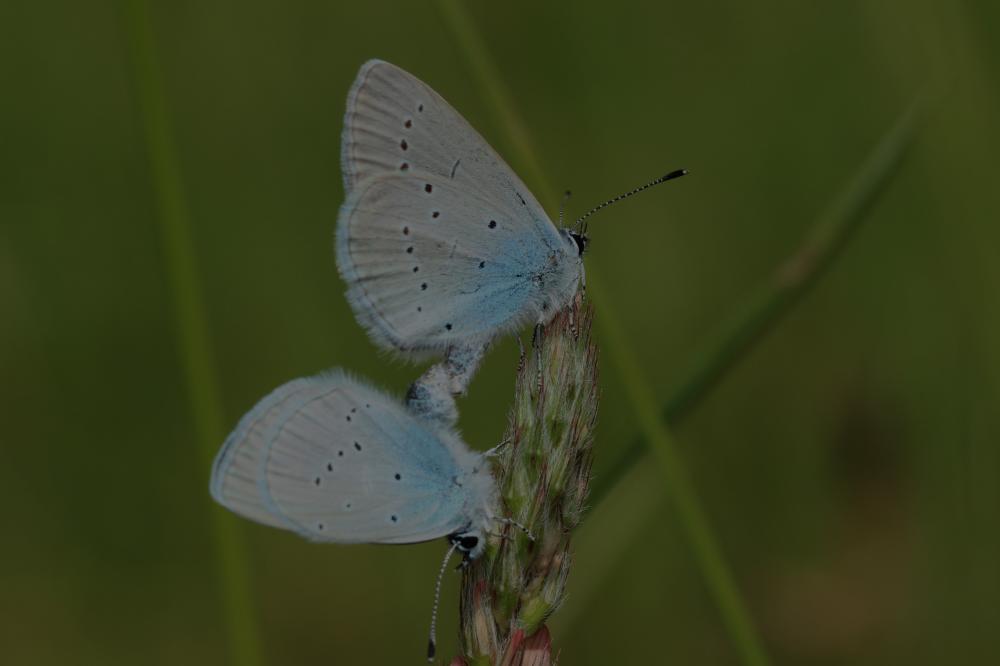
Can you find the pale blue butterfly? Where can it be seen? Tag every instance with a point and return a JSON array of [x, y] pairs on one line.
[[442, 246], [335, 460], [439, 242]]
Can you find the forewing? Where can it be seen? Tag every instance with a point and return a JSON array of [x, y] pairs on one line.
[[335, 460], [395, 123]]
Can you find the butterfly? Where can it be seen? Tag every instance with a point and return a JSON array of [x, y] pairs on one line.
[[333, 459], [439, 242], [442, 247]]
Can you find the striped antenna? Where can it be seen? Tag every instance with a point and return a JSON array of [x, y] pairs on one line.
[[562, 206], [432, 640], [662, 179]]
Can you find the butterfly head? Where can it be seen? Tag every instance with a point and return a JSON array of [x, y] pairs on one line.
[[469, 543], [580, 240]]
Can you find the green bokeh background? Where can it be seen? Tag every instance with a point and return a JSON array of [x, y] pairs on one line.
[[849, 465]]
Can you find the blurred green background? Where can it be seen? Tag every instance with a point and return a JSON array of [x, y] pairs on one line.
[[849, 464]]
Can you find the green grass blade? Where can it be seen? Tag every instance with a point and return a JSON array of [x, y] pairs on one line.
[[824, 242], [683, 495], [191, 330], [466, 33]]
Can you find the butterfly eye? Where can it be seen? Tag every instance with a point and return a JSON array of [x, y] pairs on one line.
[[468, 542], [581, 242]]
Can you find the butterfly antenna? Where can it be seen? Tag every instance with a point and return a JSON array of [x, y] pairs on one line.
[[662, 179], [432, 641], [562, 206]]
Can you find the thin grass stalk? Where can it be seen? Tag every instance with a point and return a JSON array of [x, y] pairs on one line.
[[694, 521], [682, 493], [191, 328], [788, 284]]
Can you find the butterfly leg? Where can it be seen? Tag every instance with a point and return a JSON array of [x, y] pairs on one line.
[[511, 521], [504, 536], [537, 339], [495, 451]]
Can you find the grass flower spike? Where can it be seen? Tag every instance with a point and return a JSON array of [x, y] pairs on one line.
[[543, 474]]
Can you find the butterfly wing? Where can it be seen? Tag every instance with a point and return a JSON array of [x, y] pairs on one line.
[[395, 123], [431, 264], [428, 198], [335, 460], [234, 471]]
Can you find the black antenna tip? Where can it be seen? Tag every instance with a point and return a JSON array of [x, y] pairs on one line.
[[676, 174], [431, 650]]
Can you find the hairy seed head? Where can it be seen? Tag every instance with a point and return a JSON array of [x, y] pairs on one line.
[[543, 473]]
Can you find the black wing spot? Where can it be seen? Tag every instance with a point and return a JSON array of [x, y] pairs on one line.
[[448, 326], [408, 124], [404, 166], [347, 506], [329, 467], [398, 476], [357, 446], [409, 250], [394, 519], [416, 268], [420, 108], [419, 309], [428, 188], [423, 287], [348, 418], [436, 214], [482, 264], [318, 480], [406, 231], [492, 224], [319, 526], [340, 453], [403, 144]]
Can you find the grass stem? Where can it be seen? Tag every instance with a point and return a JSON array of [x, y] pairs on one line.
[[682, 493], [774, 298], [193, 340]]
